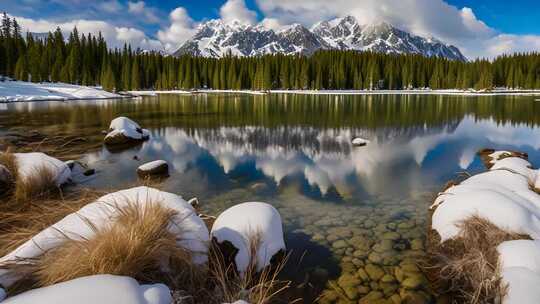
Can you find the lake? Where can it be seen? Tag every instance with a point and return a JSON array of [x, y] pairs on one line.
[[345, 209]]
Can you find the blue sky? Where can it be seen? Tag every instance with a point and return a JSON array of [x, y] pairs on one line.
[[479, 28]]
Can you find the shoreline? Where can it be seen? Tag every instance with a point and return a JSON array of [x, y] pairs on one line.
[[346, 92]]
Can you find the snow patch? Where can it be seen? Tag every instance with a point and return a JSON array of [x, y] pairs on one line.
[[13, 91], [103, 289]]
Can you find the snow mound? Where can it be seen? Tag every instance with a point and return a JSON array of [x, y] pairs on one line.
[[28, 164], [13, 91], [191, 231], [123, 129], [103, 289], [241, 223], [520, 264], [501, 195], [504, 196]]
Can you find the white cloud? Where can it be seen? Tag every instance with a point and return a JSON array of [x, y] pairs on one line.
[[237, 10], [139, 8], [112, 6], [182, 28], [115, 36], [273, 24]]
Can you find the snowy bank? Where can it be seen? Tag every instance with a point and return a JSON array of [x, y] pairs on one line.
[[190, 231], [103, 289], [31, 164], [245, 223], [13, 91], [505, 196]]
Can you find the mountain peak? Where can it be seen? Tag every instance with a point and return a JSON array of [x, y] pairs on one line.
[[216, 38]]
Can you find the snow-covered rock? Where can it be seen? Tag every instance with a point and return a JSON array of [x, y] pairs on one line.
[[359, 142], [123, 130], [244, 222], [102, 289], [12, 91], [79, 171], [154, 168], [190, 229], [28, 164]]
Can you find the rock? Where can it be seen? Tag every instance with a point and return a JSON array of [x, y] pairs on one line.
[[384, 246], [406, 225], [339, 244], [362, 274], [349, 284], [410, 297], [259, 187], [123, 130], [359, 142], [369, 223], [79, 171], [391, 235], [395, 298], [388, 278], [413, 282], [6, 179], [154, 168], [417, 244], [374, 272], [371, 297], [363, 290], [375, 257]]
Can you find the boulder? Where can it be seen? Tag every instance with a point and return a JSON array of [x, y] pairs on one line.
[[237, 228], [359, 142], [124, 131], [153, 169]]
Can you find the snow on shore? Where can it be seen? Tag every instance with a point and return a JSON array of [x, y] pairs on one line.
[[190, 229], [104, 289], [13, 91], [505, 195]]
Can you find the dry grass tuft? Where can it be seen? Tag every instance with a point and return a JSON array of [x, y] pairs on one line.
[[486, 158], [252, 286], [137, 244], [39, 185], [466, 268]]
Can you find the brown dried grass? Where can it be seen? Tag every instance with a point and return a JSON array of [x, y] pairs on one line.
[[466, 268], [138, 245], [252, 286], [486, 159]]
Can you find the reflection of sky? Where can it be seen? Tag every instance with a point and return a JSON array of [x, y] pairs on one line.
[[207, 160]]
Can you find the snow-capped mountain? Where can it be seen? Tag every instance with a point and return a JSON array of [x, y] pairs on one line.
[[216, 39]]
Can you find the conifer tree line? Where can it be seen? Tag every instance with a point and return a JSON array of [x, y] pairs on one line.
[[85, 59]]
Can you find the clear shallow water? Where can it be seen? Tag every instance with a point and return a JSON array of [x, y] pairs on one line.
[[345, 209]]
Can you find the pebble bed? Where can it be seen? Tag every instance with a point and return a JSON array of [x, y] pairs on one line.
[[376, 244]]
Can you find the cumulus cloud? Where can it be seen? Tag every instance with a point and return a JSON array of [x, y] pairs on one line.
[[237, 10], [139, 8], [115, 36], [182, 28], [112, 6]]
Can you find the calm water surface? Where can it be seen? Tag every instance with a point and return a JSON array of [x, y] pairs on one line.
[[345, 209]]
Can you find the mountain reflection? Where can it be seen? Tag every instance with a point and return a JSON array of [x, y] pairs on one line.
[[214, 141]]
